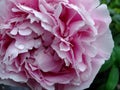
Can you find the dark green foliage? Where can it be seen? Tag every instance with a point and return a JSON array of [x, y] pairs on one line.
[[113, 78]]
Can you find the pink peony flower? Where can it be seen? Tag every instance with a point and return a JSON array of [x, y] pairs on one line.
[[53, 44]]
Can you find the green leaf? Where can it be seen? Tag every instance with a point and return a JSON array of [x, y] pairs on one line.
[[108, 1], [116, 18], [112, 79], [117, 40], [117, 54]]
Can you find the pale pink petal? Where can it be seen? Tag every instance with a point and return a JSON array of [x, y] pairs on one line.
[[11, 53], [105, 44], [25, 32], [89, 5], [64, 46], [46, 62], [37, 14], [62, 78], [101, 14], [90, 50]]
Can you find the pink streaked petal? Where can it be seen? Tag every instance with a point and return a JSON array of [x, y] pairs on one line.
[[47, 6], [32, 18], [76, 26], [11, 54], [77, 49], [64, 46], [36, 28], [14, 76], [31, 3], [62, 78], [34, 85], [55, 46], [37, 75], [46, 26], [47, 38], [58, 11], [43, 17], [86, 36], [46, 62]]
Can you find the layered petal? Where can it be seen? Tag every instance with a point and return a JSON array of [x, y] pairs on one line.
[[53, 44]]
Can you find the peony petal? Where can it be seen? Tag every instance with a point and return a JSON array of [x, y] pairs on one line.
[[101, 14], [25, 32], [46, 62], [62, 78], [64, 46], [55, 46], [44, 18], [76, 26], [36, 28], [32, 18], [6, 10], [34, 85], [105, 43], [14, 31], [46, 26], [90, 49], [82, 67], [11, 54], [89, 5]]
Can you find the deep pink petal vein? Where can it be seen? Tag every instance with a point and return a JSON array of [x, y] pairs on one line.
[[53, 44]]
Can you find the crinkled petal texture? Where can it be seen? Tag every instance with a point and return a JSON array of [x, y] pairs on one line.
[[53, 44]]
